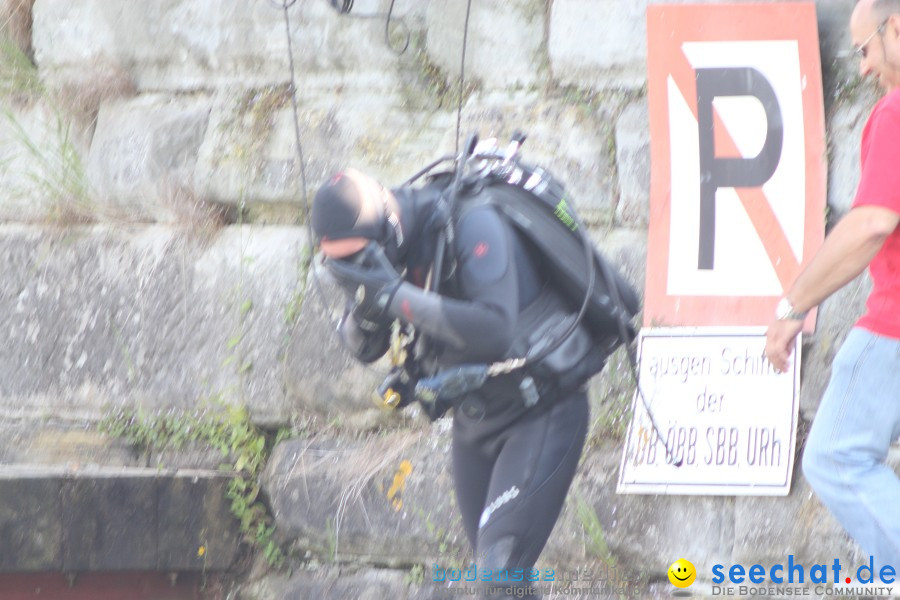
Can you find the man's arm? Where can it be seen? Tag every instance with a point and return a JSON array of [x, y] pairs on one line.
[[847, 251]]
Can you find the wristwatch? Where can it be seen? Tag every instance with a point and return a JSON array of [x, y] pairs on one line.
[[785, 311]]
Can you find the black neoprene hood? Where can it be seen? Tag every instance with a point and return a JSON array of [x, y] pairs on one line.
[[347, 206]]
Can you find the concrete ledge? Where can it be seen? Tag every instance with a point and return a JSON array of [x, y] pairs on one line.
[[60, 519]]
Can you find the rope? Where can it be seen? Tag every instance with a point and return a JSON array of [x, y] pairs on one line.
[[462, 74]]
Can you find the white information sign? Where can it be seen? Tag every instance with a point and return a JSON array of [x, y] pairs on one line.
[[725, 413]]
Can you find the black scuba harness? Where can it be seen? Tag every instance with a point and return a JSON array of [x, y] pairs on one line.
[[481, 167]]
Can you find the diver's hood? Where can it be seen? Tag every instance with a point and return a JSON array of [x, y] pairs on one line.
[[351, 205]]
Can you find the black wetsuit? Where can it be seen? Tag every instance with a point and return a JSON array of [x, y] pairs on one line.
[[512, 464]]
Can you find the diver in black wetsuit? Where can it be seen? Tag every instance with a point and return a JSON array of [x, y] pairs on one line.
[[513, 461]]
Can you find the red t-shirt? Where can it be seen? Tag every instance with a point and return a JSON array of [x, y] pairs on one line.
[[880, 186]]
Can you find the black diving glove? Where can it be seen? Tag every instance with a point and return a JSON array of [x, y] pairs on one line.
[[372, 279], [367, 341]]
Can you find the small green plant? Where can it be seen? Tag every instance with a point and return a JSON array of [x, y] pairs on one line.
[[594, 531], [415, 575], [241, 363], [599, 548], [229, 429], [448, 549], [331, 539], [616, 392], [54, 164], [443, 88], [596, 538], [54, 167], [18, 76], [250, 128], [295, 304], [16, 23]]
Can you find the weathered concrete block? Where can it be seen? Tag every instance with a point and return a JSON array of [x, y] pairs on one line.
[[330, 584], [35, 442], [505, 41], [320, 375], [644, 532], [197, 530], [176, 45], [358, 498], [566, 140], [389, 141], [99, 519], [30, 524], [147, 316], [145, 149], [249, 153], [76, 445], [603, 43], [109, 523], [598, 43], [626, 250], [767, 530], [633, 165]]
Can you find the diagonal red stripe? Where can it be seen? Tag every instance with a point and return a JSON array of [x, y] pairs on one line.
[[754, 201], [758, 208]]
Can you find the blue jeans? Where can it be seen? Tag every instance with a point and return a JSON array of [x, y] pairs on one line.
[[844, 460]]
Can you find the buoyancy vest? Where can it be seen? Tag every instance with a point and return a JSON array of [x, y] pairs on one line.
[[536, 205]]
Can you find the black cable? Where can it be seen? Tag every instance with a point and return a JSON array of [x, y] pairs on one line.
[[462, 74], [293, 89], [387, 33], [627, 338], [425, 170], [311, 250], [388, 17], [343, 7], [588, 294]]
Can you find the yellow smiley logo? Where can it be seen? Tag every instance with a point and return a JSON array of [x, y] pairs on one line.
[[682, 573]]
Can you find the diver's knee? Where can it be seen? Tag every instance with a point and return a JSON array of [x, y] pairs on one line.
[[496, 554]]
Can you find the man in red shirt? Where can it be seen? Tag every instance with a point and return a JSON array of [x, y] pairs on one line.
[[859, 416]]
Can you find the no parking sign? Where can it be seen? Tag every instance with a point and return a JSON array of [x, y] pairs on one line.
[[738, 176]]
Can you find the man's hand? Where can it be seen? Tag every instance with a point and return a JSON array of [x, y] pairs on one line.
[[780, 341], [371, 278]]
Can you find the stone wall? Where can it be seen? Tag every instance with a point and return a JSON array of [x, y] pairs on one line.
[[153, 251]]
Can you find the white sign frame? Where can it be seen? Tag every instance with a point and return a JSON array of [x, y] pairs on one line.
[[723, 440]]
